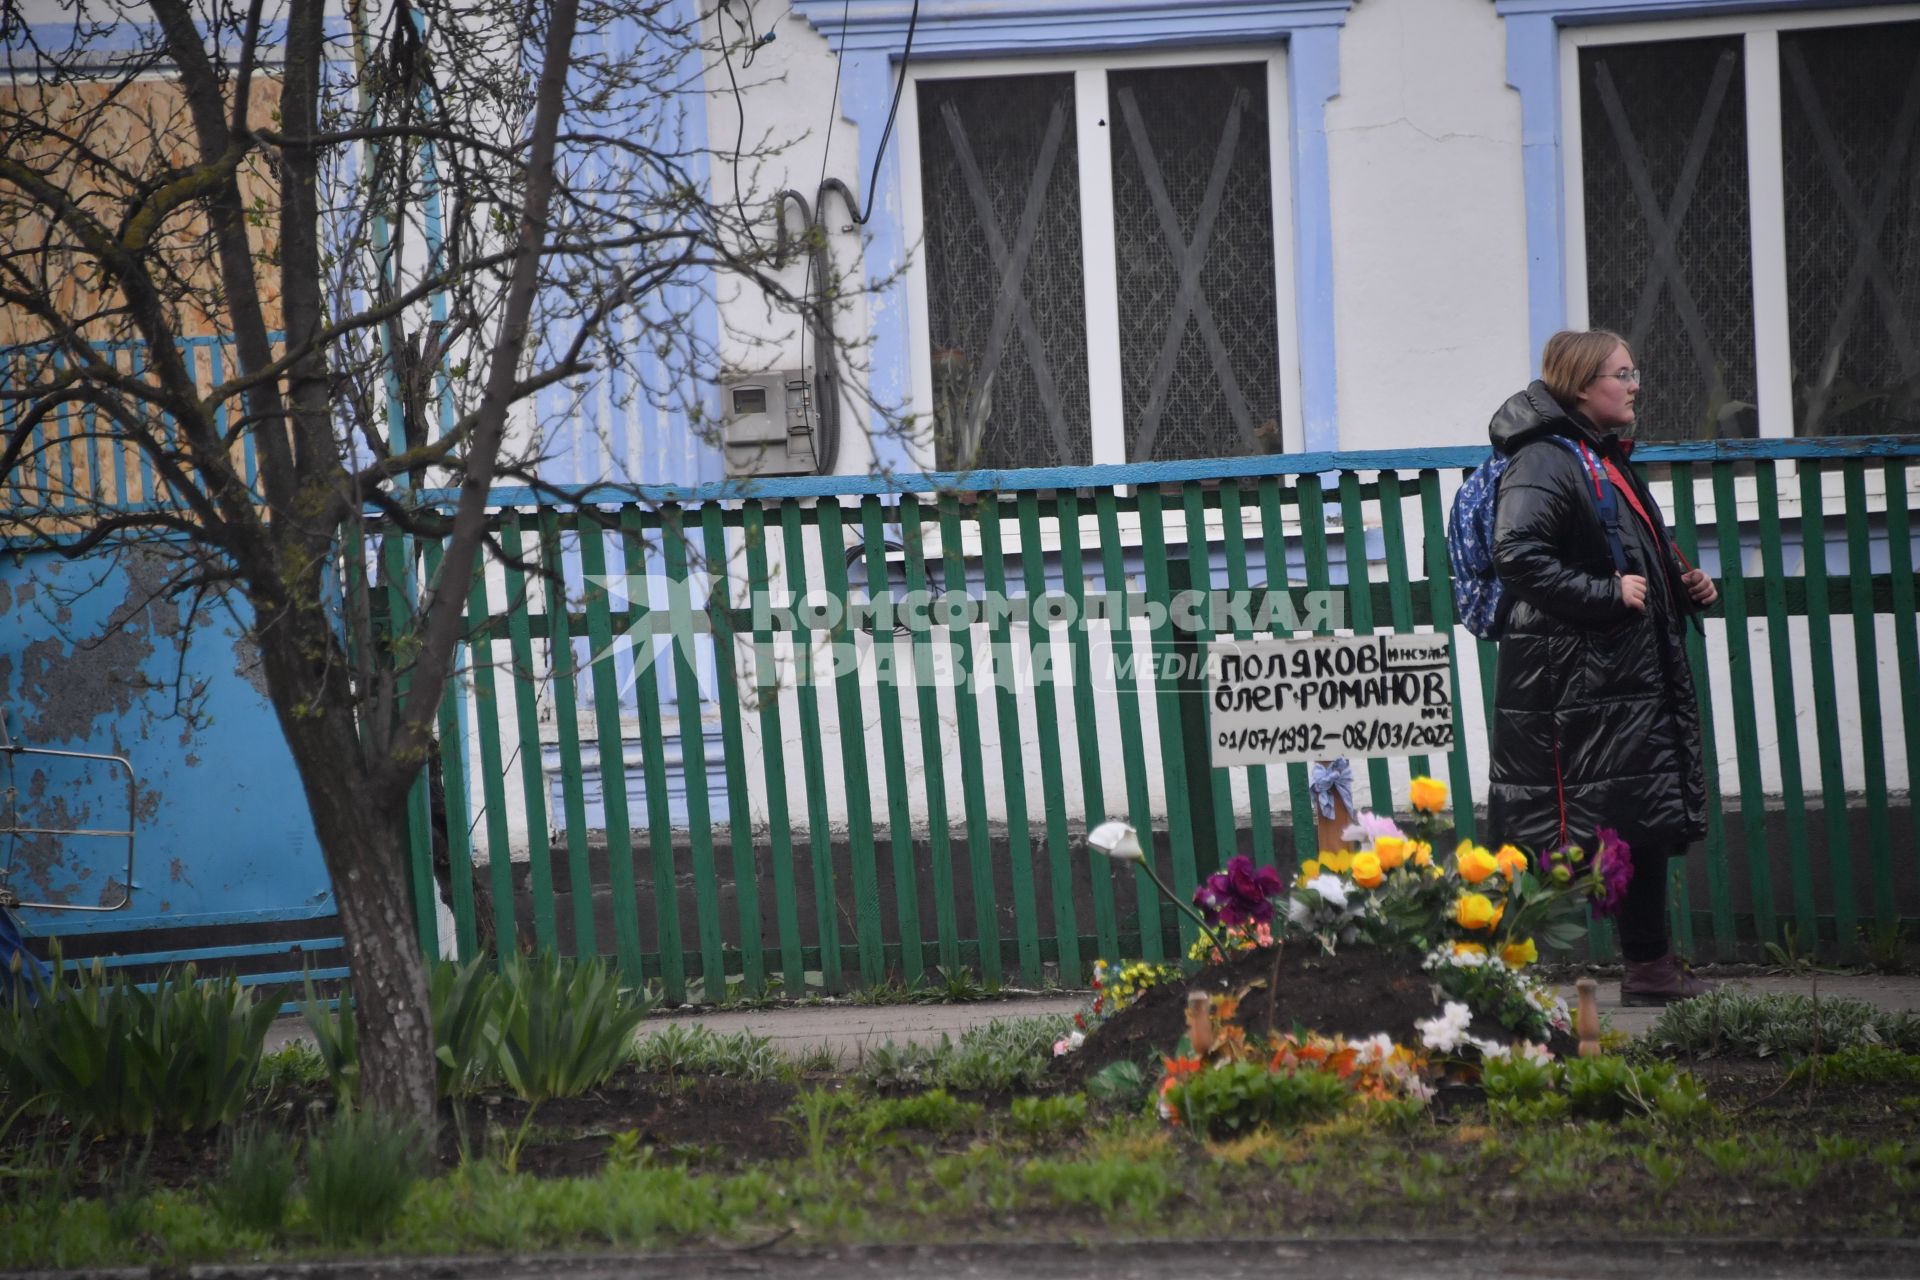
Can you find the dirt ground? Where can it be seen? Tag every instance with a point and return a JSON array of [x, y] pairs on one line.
[[1409, 1259]]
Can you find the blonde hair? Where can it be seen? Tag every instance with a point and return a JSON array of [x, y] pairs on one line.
[[1573, 359]]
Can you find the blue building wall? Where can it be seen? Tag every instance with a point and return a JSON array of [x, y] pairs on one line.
[[92, 662]]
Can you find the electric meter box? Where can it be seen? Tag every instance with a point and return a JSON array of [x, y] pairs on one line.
[[769, 424]]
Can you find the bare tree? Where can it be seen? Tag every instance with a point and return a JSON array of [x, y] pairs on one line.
[[398, 220]]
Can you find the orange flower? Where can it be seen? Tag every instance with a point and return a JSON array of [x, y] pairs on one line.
[[1520, 954], [1475, 911], [1366, 870], [1429, 795], [1391, 850], [1475, 863], [1510, 861], [1422, 853], [1179, 1069]]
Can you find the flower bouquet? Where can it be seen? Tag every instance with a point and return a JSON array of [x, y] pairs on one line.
[[1477, 918]]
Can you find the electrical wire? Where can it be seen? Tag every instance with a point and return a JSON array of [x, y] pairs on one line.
[[906, 56], [740, 135], [818, 227], [752, 27]]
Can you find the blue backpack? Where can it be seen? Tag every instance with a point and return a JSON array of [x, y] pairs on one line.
[[1477, 598]]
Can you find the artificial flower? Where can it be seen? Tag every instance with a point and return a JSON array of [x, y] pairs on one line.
[[1179, 1069], [1445, 1032], [1429, 795], [1462, 949], [1332, 889], [1068, 1043], [1615, 864], [1371, 828], [1308, 870], [1510, 861], [1519, 953], [1339, 861], [1240, 894], [1366, 870], [1421, 852], [1474, 911], [1391, 850], [1475, 863]]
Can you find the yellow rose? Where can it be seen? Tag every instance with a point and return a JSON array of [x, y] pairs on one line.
[[1474, 911], [1422, 853], [1511, 861], [1468, 949], [1475, 863], [1308, 870], [1338, 861], [1366, 870], [1391, 850], [1428, 794], [1520, 954], [1499, 912]]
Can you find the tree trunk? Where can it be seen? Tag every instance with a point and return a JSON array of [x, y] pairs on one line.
[[363, 841], [366, 856]]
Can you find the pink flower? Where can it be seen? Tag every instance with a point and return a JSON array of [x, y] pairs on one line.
[[1241, 893], [1614, 863], [1370, 827]]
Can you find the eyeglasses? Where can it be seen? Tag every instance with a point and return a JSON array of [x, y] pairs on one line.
[[1629, 376]]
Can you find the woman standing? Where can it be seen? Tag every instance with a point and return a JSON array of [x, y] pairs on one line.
[[1595, 721]]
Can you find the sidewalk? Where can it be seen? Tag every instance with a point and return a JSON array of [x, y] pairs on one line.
[[849, 1029]]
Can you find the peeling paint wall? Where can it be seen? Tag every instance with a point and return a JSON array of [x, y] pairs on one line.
[[92, 660]]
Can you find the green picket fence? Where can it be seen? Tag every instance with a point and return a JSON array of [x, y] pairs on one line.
[[715, 818]]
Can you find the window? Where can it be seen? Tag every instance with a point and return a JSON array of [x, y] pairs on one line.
[[1098, 277], [1744, 205], [1006, 294]]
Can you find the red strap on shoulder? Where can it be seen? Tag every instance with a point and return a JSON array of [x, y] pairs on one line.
[[1633, 500]]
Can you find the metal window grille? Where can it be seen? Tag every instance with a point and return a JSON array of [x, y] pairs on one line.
[[1006, 299], [1850, 154], [1193, 249], [1669, 261]]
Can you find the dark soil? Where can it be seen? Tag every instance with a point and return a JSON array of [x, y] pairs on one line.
[[712, 1121], [1357, 993]]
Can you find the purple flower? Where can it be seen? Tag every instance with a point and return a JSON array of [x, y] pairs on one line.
[[1239, 894], [1614, 865]]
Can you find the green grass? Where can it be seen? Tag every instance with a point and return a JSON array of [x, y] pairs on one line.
[[933, 1165], [1130, 1173], [688, 1048]]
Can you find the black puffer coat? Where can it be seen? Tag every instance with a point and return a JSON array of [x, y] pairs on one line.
[[1595, 720]]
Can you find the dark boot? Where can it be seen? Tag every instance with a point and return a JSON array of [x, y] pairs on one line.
[[1660, 982]]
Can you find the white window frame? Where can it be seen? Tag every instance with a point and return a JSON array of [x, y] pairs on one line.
[[1105, 402], [1767, 232]]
